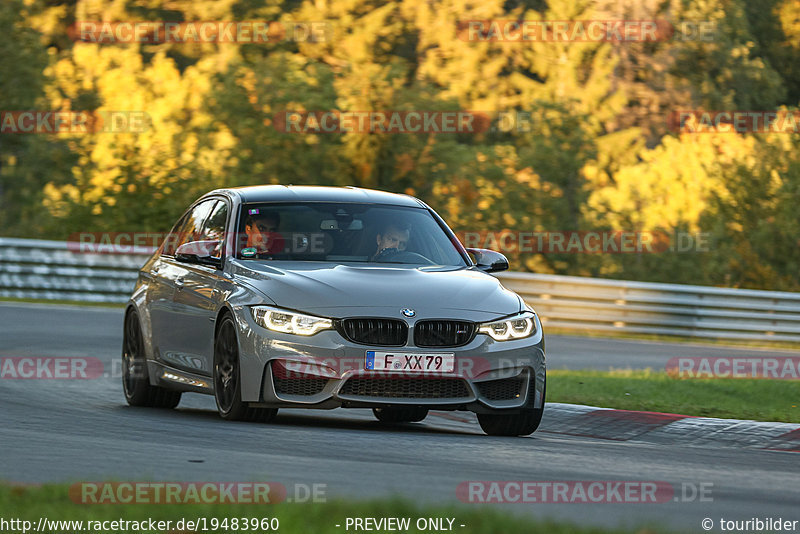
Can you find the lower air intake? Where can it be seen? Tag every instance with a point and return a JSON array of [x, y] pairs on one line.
[[406, 388], [502, 389]]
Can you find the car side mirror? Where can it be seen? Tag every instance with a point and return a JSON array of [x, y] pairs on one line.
[[199, 252], [487, 260]]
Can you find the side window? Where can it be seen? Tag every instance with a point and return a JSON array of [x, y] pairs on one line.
[[214, 228], [192, 227], [171, 239]]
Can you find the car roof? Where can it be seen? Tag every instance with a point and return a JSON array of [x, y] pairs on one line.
[[314, 193]]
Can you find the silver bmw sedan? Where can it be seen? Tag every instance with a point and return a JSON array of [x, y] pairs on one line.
[[273, 297]]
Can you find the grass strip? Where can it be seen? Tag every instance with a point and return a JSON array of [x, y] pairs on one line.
[[646, 390], [32, 502]]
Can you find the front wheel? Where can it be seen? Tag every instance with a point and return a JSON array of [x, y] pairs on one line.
[[522, 423], [400, 415], [227, 378], [135, 383]]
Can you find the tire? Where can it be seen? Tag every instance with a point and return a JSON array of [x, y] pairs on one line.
[[521, 423], [400, 415], [227, 378], [135, 382]]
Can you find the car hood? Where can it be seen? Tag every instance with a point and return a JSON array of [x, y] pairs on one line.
[[336, 290]]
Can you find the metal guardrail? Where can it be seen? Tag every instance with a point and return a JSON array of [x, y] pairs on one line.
[[654, 308], [54, 270]]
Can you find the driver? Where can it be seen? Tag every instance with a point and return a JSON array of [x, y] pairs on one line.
[[393, 236], [262, 234]]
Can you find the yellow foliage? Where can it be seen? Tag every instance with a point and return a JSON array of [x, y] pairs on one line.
[[672, 184], [170, 147]]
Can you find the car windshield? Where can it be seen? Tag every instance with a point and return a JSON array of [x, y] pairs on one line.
[[344, 232]]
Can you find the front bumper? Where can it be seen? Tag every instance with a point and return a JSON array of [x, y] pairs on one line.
[[327, 371]]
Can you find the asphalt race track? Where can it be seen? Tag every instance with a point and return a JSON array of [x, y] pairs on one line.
[[82, 430]]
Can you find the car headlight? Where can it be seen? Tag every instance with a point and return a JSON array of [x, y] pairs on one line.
[[289, 322], [517, 327]]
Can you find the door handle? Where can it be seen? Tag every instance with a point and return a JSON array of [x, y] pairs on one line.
[[179, 283]]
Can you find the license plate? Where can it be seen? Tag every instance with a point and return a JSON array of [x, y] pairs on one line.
[[414, 362]]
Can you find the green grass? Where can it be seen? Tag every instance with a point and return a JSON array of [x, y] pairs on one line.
[[733, 398], [52, 502]]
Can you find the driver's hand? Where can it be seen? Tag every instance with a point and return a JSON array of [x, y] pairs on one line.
[[385, 252]]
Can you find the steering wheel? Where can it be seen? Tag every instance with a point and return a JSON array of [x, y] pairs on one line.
[[393, 255]]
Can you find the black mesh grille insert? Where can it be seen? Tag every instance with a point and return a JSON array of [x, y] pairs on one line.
[[375, 331], [502, 389], [411, 388], [300, 386], [438, 333], [295, 383]]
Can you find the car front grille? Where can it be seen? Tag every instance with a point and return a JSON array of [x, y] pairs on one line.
[[501, 389], [411, 388], [442, 333], [375, 331]]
